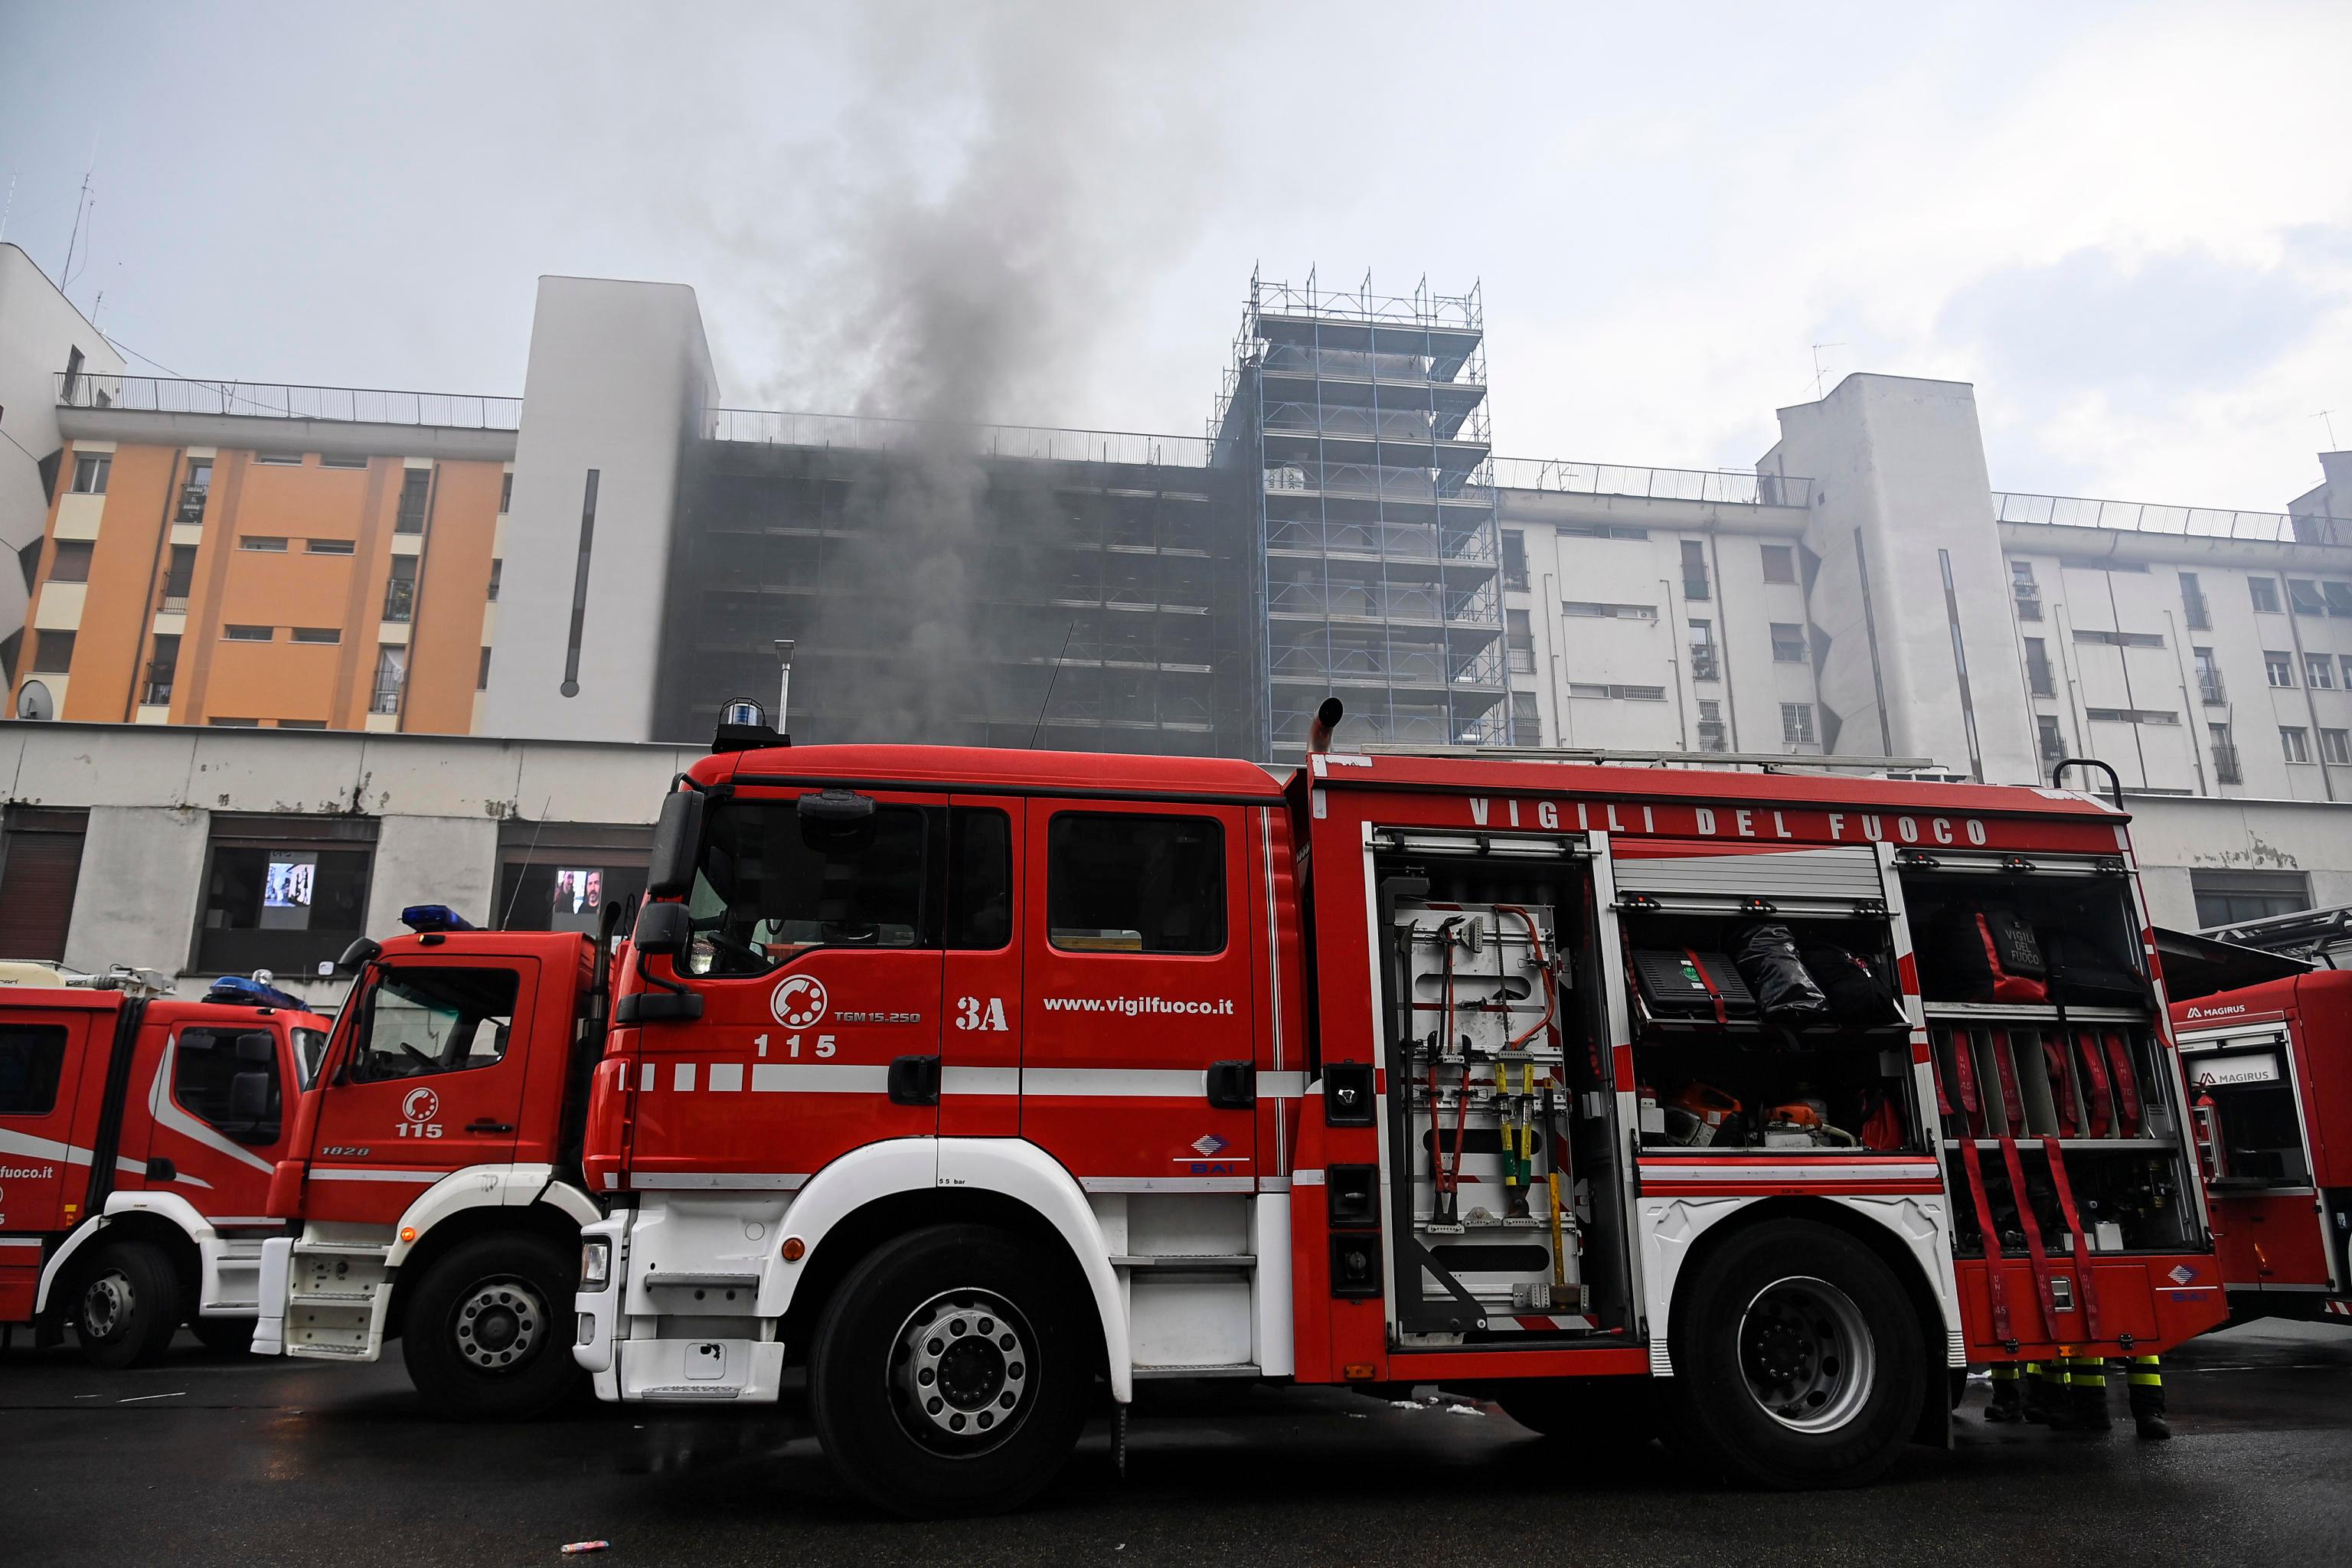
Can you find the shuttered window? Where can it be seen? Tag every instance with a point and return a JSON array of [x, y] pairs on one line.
[[41, 862]]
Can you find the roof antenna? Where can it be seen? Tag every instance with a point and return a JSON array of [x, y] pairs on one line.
[[1818, 374], [2324, 415], [1043, 708]]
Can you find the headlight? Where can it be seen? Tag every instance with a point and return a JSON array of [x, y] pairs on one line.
[[595, 1263]]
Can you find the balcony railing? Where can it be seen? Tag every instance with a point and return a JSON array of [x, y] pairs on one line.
[[1523, 661], [1703, 665], [2029, 606], [2149, 517], [155, 694], [269, 400], [2225, 764], [399, 600], [1730, 486], [386, 698], [2210, 690], [872, 433], [192, 503], [2197, 613]]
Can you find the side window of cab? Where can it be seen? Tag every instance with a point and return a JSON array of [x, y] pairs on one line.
[[1132, 882], [424, 1019]]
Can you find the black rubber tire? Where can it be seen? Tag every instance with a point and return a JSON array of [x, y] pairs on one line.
[[1610, 1419], [223, 1336], [145, 1293], [1719, 1424], [850, 1360], [542, 1376]]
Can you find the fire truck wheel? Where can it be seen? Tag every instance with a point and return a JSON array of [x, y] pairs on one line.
[[1799, 1361], [128, 1307], [223, 1336], [948, 1373], [485, 1335]]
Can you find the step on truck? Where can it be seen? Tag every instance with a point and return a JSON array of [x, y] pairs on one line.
[[973, 1080], [137, 1136], [2270, 1083]]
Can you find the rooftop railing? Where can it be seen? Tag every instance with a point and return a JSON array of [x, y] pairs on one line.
[[874, 433], [1732, 487], [2151, 517], [1420, 308], [272, 400]]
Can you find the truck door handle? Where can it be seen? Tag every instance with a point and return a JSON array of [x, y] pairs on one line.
[[914, 1080], [1232, 1086], [487, 1125]]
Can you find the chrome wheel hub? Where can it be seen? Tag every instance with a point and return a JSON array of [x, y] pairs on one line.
[[1806, 1356], [499, 1324], [962, 1371], [107, 1305]]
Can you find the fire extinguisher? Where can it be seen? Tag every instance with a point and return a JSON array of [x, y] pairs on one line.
[[2210, 1151]]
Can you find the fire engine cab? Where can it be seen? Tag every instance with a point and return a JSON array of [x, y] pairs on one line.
[[138, 1134], [1755, 1104]]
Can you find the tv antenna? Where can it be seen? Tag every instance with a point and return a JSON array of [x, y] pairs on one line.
[[2326, 417], [1818, 372]]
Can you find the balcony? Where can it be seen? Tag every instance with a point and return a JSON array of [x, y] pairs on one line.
[[192, 503], [1703, 665], [399, 600], [2029, 606], [2225, 764], [155, 694], [386, 698], [1523, 660], [2210, 690]]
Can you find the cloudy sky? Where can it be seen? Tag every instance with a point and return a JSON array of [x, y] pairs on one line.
[[2129, 225]]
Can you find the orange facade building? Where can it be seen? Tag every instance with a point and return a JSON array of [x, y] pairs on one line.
[[349, 588]]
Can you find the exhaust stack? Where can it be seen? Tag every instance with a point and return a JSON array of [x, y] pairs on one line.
[[1327, 719]]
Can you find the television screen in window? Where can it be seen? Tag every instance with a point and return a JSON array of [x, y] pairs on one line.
[[578, 891], [287, 886]]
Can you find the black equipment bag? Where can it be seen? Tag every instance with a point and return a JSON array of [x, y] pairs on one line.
[[1987, 955], [1859, 996], [1685, 986], [1766, 955]]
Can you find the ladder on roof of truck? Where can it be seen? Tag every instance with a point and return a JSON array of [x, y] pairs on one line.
[[1769, 762]]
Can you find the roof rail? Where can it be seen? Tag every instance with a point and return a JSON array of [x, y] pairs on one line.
[[1777, 762]]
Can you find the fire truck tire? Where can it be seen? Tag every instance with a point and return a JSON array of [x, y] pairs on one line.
[[487, 1334], [1798, 1360], [948, 1373], [223, 1336], [128, 1306]]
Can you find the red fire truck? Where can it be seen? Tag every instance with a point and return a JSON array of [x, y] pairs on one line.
[[2270, 1084], [138, 1134], [1748, 1102]]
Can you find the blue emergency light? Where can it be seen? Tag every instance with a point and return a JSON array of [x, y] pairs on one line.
[[434, 916], [244, 993]]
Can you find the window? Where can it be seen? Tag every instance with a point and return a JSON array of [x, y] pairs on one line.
[[318, 634], [2265, 593], [2319, 670], [162, 669], [391, 671], [422, 1020], [980, 878], [280, 460], [2225, 755], [482, 673], [2295, 741], [2338, 596], [179, 576], [328, 546], [270, 543], [2024, 590], [301, 724], [1515, 559], [341, 460], [2193, 602], [32, 1059], [2121, 640], [1788, 643], [2131, 716], [2210, 689], [193, 493], [2279, 668], [1705, 665], [415, 484], [2228, 898], [1135, 883], [772, 886], [1779, 563], [2335, 746], [2303, 596], [205, 1067], [52, 653], [2054, 741], [1694, 583], [2037, 668], [70, 563], [1797, 724], [1519, 638], [250, 634], [282, 892], [506, 491], [1711, 734], [219, 723], [2344, 664], [90, 474], [497, 568], [1526, 720], [1602, 530], [1593, 607], [40, 866], [1617, 693], [400, 589]]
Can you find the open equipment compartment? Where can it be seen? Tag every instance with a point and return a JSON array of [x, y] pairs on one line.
[[2048, 1060], [1502, 1180]]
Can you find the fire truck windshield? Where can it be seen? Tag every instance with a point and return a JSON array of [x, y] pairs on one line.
[[773, 884]]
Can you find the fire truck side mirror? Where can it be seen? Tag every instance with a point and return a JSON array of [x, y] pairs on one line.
[[661, 928], [357, 956], [677, 843]]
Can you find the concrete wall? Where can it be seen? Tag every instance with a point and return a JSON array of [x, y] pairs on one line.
[[142, 870], [2174, 836], [619, 377]]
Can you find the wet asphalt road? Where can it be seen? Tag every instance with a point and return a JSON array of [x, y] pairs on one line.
[[240, 1460]]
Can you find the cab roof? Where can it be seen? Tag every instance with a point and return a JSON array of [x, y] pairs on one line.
[[993, 769]]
